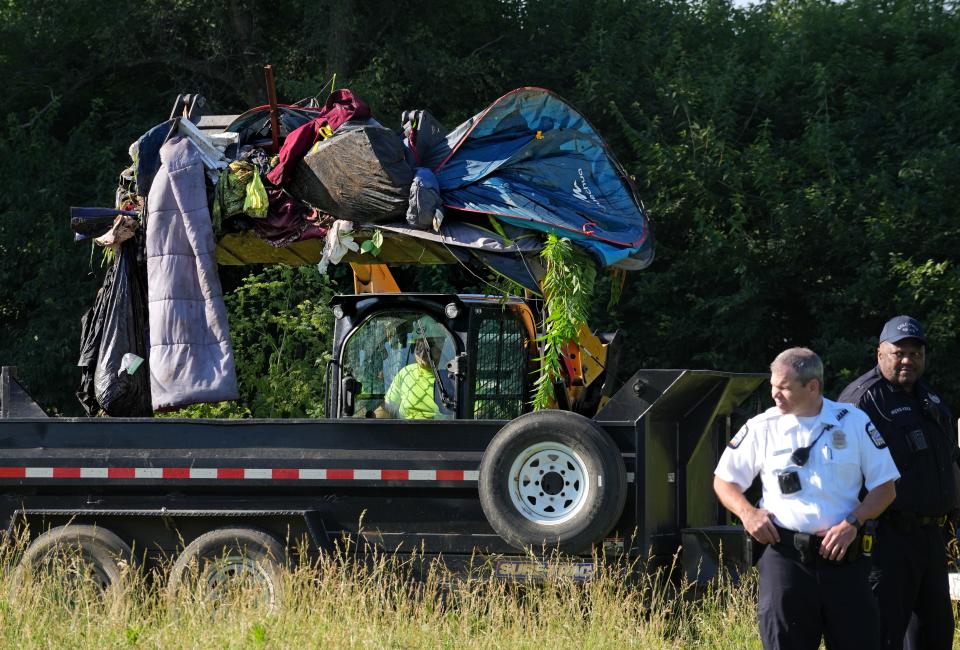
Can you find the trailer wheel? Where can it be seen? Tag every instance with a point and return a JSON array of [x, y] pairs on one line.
[[83, 552], [552, 478], [230, 560]]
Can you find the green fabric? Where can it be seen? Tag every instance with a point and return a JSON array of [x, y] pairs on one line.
[[255, 204], [239, 191], [412, 391]]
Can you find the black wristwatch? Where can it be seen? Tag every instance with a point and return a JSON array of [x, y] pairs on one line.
[[853, 521]]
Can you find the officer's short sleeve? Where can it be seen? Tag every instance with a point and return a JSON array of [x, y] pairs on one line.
[[875, 459], [740, 461]]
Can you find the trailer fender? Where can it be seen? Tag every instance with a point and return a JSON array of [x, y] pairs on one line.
[[227, 559], [552, 479], [106, 558]]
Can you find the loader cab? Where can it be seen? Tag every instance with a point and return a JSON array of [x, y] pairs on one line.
[[482, 353]]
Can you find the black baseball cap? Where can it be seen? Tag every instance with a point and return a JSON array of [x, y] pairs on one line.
[[902, 327]]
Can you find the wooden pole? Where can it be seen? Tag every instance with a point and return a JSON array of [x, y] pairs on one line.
[[274, 114]]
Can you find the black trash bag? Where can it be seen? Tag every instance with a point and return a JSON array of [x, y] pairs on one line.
[[117, 328], [360, 173], [91, 328]]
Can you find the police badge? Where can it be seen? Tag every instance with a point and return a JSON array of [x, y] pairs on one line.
[[839, 439]]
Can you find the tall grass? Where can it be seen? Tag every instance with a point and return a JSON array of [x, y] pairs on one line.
[[342, 602]]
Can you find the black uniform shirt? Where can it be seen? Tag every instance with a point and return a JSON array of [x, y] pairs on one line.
[[918, 428]]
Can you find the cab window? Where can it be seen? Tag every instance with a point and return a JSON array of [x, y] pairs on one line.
[[378, 351]]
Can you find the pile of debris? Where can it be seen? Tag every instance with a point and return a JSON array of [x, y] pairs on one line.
[[321, 184]]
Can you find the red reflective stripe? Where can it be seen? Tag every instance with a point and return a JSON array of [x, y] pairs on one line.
[[283, 474]]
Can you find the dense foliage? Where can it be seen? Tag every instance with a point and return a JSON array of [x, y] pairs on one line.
[[797, 157], [281, 327]]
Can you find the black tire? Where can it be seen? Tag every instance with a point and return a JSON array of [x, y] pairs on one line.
[[526, 486], [227, 558], [105, 558]]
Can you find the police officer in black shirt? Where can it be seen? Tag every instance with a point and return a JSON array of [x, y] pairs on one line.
[[909, 574]]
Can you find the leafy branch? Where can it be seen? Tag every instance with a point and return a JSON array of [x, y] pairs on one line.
[[568, 288]]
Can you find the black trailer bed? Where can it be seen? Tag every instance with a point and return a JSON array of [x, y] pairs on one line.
[[398, 484]]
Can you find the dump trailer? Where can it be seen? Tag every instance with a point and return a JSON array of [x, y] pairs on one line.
[[485, 475], [617, 469]]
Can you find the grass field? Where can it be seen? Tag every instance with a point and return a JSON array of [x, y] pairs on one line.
[[341, 603]]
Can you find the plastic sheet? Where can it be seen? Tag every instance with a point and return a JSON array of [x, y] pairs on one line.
[[121, 317], [357, 174]]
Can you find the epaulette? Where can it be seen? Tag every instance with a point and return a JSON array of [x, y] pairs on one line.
[[868, 381], [770, 413]]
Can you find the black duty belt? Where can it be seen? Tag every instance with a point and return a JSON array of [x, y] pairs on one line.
[[804, 541], [910, 520], [804, 544], [807, 546]]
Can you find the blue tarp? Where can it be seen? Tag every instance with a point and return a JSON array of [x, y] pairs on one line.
[[533, 161]]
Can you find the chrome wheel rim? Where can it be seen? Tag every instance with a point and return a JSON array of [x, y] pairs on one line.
[[548, 483]]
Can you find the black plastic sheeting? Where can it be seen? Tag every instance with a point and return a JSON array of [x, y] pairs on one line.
[[357, 174], [114, 327]]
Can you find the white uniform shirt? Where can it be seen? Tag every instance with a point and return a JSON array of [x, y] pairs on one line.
[[850, 453]]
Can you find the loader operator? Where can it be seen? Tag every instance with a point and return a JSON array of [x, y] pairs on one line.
[[812, 455], [411, 393]]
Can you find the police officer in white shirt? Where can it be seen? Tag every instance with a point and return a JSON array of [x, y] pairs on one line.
[[813, 457]]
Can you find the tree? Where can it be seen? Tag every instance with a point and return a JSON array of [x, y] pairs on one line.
[[796, 157]]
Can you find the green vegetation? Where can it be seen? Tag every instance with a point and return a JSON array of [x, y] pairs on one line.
[[281, 327], [355, 599], [797, 157], [342, 603], [567, 292]]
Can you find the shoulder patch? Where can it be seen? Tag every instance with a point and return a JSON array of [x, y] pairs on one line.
[[842, 413], [875, 436], [737, 439]]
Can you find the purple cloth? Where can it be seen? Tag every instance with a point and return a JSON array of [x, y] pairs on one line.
[[288, 220]]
